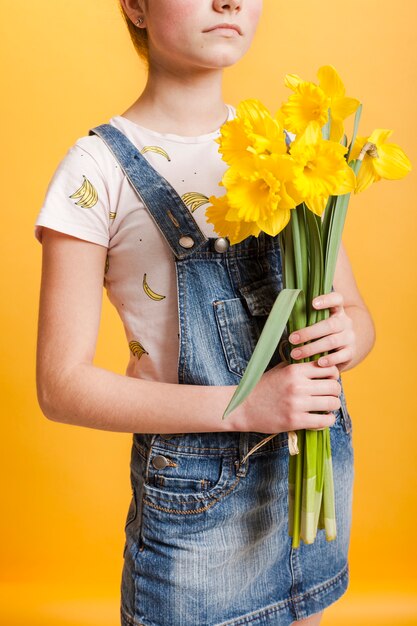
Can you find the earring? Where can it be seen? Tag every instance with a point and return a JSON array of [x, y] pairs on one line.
[[139, 21]]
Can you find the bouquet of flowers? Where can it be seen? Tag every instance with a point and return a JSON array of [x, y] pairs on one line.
[[292, 174]]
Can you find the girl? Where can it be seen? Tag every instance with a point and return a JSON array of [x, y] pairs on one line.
[[207, 528]]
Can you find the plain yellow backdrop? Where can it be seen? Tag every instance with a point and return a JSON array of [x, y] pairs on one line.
[[69, 66]]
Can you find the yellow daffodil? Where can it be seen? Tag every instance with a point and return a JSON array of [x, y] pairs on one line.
[[236, 231], [260, 197], [253, 132], [340, 105], [268, 185], [390, 163], [331, 90], [308, 104], [324, 170], [263, 196]]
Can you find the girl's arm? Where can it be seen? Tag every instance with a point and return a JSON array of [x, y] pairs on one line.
[[349, 332], [71, 389]]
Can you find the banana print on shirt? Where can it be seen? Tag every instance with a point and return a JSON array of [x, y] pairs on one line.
[[137, 349], [149, 292], [194, 200], [157, 150], [86, 194]]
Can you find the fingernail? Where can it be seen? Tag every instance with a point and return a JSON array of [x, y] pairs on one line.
[[296, 353], [323, 361], [317, 302], [294, 338]]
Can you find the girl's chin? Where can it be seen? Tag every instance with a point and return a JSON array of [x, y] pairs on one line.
[[223, 58], [218, 57]]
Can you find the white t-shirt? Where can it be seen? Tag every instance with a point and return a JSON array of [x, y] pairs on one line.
[[90, 198]]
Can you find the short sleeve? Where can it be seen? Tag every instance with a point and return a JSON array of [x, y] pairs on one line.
[[77, 200]]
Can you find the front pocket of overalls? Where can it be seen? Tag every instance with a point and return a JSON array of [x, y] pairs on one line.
[[240, 321], [189, 483], [238, 333]]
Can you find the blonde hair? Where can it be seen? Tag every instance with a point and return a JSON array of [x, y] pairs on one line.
[[139, 36]]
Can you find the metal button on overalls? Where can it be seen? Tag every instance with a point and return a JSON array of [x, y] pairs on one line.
[[159, 461], [221, 244], [186, 242]]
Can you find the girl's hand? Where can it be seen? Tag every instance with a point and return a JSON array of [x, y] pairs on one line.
[[291, 397], [334, 334]]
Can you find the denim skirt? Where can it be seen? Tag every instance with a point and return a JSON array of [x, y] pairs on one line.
[[207, 540]]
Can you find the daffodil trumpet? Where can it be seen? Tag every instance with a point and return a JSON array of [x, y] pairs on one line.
[[291, 175]]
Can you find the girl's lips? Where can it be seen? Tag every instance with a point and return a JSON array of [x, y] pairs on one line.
[[233, 27]]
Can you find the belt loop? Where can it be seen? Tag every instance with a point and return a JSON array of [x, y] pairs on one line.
[[241, 465]]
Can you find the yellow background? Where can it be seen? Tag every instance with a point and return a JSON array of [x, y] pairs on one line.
[[69, 66]]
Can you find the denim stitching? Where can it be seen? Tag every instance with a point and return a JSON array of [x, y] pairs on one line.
[[279, 606], [194, 512]]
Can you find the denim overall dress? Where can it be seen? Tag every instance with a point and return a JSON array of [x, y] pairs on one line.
[[207, 539]]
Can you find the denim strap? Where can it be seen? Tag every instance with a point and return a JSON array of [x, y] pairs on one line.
[[166, 207]]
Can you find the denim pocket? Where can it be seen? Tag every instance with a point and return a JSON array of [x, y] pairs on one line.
[[240, 322], [238, 333], [261, 294], [175, 484], [189, 482]]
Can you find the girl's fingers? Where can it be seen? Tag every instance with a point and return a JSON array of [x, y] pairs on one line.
[[333, 324], [331, 342], [317, 421], [313, 370], [322, 403], [329, 387], [336, 358], [333, 300]]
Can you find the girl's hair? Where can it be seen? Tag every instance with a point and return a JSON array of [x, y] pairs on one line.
[[139, 36]]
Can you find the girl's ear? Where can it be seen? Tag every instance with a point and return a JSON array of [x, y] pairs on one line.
[[134, 9]]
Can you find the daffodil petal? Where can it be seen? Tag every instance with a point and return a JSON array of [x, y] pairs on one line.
[[330, 81], [357, 147], [310, 136], [236, 230], [336, 130], [247, 229], [366, 175], [308, 103], [349, 182], [317, 205], [391, 162], [292, 81], [274, 222], [252, 109], [343, 107], [379, 135]]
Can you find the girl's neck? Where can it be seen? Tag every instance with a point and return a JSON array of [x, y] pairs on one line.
[[185, 104]]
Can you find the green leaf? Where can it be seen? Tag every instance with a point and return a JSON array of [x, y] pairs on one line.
[[298, 317], [298, 241], [355, 129], [265, 347], [334, 238], [316, 263], [288, 258], [328, 216]]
